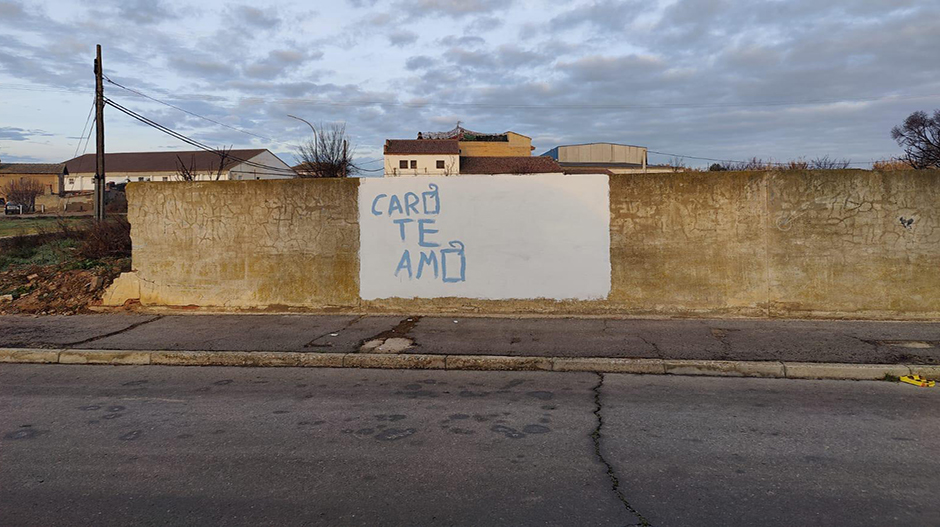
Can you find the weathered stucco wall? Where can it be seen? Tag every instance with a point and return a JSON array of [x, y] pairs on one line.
[[817, 244], [246, 243]]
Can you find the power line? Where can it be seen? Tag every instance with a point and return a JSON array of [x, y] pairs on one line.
[[85, 127], [28, 87], [185, 110], [319, 102], [193, 142], [735, 160], [90, 130]]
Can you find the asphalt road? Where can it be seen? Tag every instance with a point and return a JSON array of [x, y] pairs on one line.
[[246, 446], [718, 339]]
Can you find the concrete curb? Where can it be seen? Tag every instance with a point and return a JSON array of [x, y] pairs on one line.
[[768, 369]]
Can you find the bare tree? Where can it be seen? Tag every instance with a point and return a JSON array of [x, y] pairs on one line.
[[796, 164], [677, 164], [184, 172], [450, 168], [825, 163], [189, 172], [327, 153], [223, 153], [24, 192], [919, 136]]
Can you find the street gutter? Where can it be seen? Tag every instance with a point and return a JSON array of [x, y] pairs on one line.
[[713, 368]]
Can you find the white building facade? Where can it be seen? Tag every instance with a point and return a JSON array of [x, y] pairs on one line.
[[129, 167]]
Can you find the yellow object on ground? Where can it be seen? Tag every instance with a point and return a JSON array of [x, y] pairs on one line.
[[917, 380]]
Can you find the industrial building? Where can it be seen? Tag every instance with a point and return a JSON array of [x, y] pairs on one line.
[[612, 157]]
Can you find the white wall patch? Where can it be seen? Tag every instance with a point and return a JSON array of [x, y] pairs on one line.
[[485, 237]]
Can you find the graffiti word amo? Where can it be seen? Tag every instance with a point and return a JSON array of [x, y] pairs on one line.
[[450, 266], [408, 203]]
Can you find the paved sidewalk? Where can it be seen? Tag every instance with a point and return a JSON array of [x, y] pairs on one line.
[[700, 339]]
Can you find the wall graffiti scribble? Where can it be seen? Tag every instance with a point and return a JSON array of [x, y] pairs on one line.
[[423, 232]]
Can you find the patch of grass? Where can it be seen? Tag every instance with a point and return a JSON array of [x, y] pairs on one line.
[[13, 225], [50, 253], [84, 264], [891, 378]]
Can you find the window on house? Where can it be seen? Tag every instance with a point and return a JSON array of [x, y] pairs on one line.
[[71, 181], [140, 179], [414, 163], [440, 163], [403, 163], [166, 178]]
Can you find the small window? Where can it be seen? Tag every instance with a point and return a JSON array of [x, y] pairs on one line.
[[166, 178], [71, 181], [414, 163], [403, 163], [140, 179], [440, 163]]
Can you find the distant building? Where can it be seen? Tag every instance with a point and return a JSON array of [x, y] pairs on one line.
[[421, 157], [166, 166], [50, 175], [612, 157], [476, 144], [443, 157]]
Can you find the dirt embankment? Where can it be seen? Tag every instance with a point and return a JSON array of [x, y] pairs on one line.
[[55, 289], [62, 270]]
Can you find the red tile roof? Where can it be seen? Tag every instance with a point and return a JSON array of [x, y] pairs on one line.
[[587, 170], [32, 168], [508, 165], [422, 146], [201, 160]]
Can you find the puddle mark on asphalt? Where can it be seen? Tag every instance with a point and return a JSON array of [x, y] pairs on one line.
[[131, 436], [509, 432], [392, 417], [23, 433], [541, 395], [394, 434]]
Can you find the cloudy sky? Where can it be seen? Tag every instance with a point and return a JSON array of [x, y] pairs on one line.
[[709, 78]]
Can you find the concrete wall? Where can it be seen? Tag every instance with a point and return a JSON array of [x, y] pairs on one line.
[[789, 244], [67, 203], [291, 242]]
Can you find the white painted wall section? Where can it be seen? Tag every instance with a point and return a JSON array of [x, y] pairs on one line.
[[485, 237]]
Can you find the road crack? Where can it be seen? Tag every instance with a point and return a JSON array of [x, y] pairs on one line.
[[596, 438], [652, 344], [113, 333], [313, 344]]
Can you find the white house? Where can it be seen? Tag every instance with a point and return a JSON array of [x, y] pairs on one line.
[[167, 166], [422, 157]]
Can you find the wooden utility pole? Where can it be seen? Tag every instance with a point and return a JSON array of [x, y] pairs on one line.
[[99, 127]]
